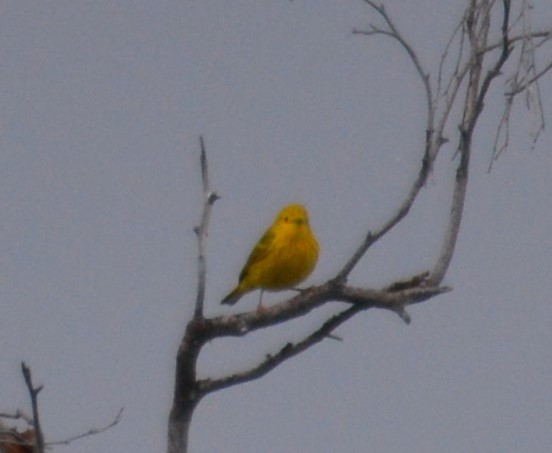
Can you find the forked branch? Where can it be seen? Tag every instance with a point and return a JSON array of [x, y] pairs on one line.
[[360, 299]]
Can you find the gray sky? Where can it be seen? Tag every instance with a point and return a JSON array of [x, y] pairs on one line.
[[102, 106]]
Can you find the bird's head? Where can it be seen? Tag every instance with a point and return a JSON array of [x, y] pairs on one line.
[[293, 214]]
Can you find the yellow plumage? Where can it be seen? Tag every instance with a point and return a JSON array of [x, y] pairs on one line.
[[284, 256]]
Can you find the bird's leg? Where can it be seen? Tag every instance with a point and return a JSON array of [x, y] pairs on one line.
[[260, 306]]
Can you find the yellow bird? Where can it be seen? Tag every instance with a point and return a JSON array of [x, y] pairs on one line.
[[284, 256]]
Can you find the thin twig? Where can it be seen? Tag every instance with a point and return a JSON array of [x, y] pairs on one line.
[[395, 34], [546, 35], [453, 86], [522, 87], [19, 414], [457, 30], [502, 134], [432, 145], [90, 432]]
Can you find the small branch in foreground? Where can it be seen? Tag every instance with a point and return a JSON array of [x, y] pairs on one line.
[[34, 438], [33, 392]]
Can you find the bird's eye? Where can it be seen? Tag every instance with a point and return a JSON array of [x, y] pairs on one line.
[[286, 219]]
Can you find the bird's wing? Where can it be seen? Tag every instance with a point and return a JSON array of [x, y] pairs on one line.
[[259, 253]]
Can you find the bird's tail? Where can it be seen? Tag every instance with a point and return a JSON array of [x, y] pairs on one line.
[[233, 297]]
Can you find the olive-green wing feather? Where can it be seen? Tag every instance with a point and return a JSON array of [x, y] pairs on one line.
[[259, 253]]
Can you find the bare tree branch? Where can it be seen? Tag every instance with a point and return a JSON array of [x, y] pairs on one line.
[[18, 415], [33, 393], [523, 86], [271, 361], [432, 145], [525, 79], [360, 299], [546, 35], [90, 432], [432, 142], [184, 397], [495, 70], [394, 33], [244, 323], [478, 31], [458, 31], [201, 231]]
